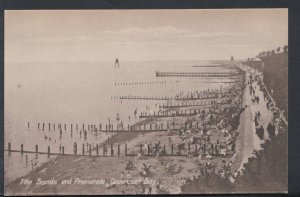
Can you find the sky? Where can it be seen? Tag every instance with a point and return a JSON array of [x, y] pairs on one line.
[[142, 35]]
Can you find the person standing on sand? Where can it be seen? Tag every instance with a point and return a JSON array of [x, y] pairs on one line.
[[75, 148], [150, 189], [135, 112], [258, 115], [122, 175], [117, 63], [128, 175]]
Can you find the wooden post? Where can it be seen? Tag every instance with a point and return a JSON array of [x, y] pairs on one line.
[[63, 150], [172, 149], [75, 148], [148, 149], [97, 150], [49, 126], [125, 149], [48, 151], [118, 150], [104, 147], [165, 150], [76, 127], [65, 127], [43, 126], [141, 149], [71, 127], [36, 148], [9, 148], [28, 125], [111, 150], [22, 148], [90, 150], [82, 149]]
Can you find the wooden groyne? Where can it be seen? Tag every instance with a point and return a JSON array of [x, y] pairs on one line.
[[200, 98], [169, 115], [146, 97], [145, 125], [196, 74], [145, 83], [117, 150], [197, 104], [216, 65], [178, 113], [209, 96]]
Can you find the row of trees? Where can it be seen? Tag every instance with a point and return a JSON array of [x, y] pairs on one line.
[[269, 53]]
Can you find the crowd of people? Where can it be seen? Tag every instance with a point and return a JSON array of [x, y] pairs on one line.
[[270, 104]]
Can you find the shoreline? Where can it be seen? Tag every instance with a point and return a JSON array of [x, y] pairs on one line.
[[133, 138]]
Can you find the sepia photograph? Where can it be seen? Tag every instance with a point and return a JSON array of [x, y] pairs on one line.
[[145, 101]]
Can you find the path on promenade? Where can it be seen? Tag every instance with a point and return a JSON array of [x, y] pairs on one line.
[[251, 140]]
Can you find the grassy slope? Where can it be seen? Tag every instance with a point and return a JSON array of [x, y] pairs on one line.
[[268, 172], [276, 78]]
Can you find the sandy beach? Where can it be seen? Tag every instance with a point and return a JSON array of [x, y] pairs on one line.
[[169, 172]]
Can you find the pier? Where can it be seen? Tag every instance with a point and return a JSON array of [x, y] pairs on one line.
[[196, 74]]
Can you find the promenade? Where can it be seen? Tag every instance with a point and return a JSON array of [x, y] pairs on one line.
[[251, 140]]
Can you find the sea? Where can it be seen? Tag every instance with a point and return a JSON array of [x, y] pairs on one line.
[[84, 93]]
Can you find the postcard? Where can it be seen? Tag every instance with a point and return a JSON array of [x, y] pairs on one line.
[[157, 101]]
